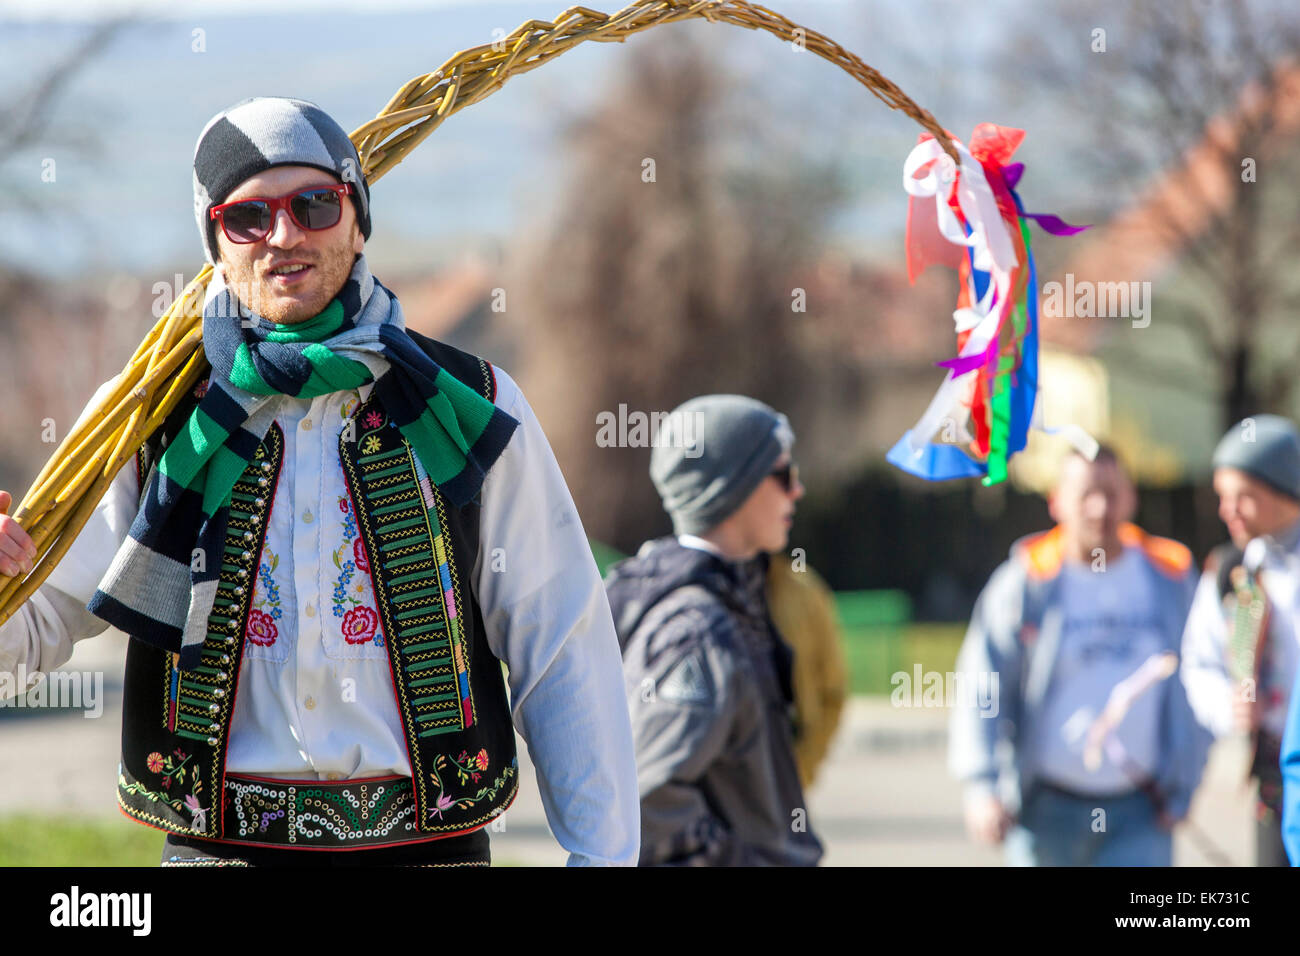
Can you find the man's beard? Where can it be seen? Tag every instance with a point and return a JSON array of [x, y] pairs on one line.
[[258, 294]]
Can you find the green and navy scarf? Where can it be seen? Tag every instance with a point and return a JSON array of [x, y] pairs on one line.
[[155, 590]]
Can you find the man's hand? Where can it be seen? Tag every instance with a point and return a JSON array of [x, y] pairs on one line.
[[987, 821], [1245, 713], [17, 552]]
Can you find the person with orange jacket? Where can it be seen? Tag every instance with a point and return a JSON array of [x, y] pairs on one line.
[[1081, 748]]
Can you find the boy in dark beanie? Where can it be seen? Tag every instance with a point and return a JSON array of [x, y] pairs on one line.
[[708, 677]]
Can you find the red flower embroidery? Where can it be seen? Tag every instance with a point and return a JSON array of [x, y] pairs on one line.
[[359, 555], [344, 505], [154, 762], [481, 760], [201, 389], [261, 628], [373, 419], [359, 625]]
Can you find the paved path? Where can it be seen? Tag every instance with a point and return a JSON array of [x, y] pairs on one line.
[[883, 797]]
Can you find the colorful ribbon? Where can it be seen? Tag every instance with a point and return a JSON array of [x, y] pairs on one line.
[[977, 225]]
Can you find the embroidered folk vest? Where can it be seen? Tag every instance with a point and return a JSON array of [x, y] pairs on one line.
[[448, 686]]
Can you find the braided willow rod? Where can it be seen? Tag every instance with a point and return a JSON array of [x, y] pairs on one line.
[[170, 360]]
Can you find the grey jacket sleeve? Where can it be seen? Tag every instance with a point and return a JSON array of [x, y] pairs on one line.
[[991, 659], [690, 704]]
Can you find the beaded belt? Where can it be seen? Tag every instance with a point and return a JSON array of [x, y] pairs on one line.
[[320, 814]]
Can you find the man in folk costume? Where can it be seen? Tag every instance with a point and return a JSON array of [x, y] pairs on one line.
[[1074, 740], [1242, 641], [323, 556]]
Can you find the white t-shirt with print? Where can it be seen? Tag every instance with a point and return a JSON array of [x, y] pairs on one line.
[[1111, 627]]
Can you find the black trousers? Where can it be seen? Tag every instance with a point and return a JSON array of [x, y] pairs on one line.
[[470, 849]]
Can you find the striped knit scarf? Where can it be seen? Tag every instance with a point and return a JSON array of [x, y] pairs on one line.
[[163, 581]]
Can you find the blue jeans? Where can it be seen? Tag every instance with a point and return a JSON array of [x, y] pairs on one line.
[[1059, 829]]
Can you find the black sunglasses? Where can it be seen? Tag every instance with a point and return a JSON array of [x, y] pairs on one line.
[[787, 475]]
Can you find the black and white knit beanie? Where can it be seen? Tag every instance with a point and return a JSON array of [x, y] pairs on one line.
[[264, 131]]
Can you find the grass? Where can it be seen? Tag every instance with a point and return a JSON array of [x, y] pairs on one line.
[[874, 654], [28, 839]]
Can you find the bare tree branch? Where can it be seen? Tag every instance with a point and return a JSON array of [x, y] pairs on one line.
[[27, 115]]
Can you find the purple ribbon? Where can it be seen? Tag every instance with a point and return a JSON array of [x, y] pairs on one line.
[[965, 363], [1054, 224]]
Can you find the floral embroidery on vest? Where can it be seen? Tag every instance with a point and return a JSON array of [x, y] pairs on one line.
[[360, 621], [350, 405], [173, 767], [262, 629], [467, 769]]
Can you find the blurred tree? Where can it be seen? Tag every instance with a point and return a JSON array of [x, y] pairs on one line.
[[25, 112], [667, 270], [1188, 116], [47, 382]]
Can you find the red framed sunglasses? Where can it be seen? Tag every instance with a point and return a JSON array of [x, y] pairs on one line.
[[314, 208]]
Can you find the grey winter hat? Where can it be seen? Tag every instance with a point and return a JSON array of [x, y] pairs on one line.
[[264, 131], [713, 452], [1266, 447]]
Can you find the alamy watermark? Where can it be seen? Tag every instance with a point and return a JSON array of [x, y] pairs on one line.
[[638, 429], [965, 689], [1098, 300], [75, 690], [129, 910]]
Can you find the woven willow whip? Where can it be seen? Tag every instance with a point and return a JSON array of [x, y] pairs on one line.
[[170, 361]]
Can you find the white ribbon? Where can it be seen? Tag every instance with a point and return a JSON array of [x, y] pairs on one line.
[[992, 252]]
